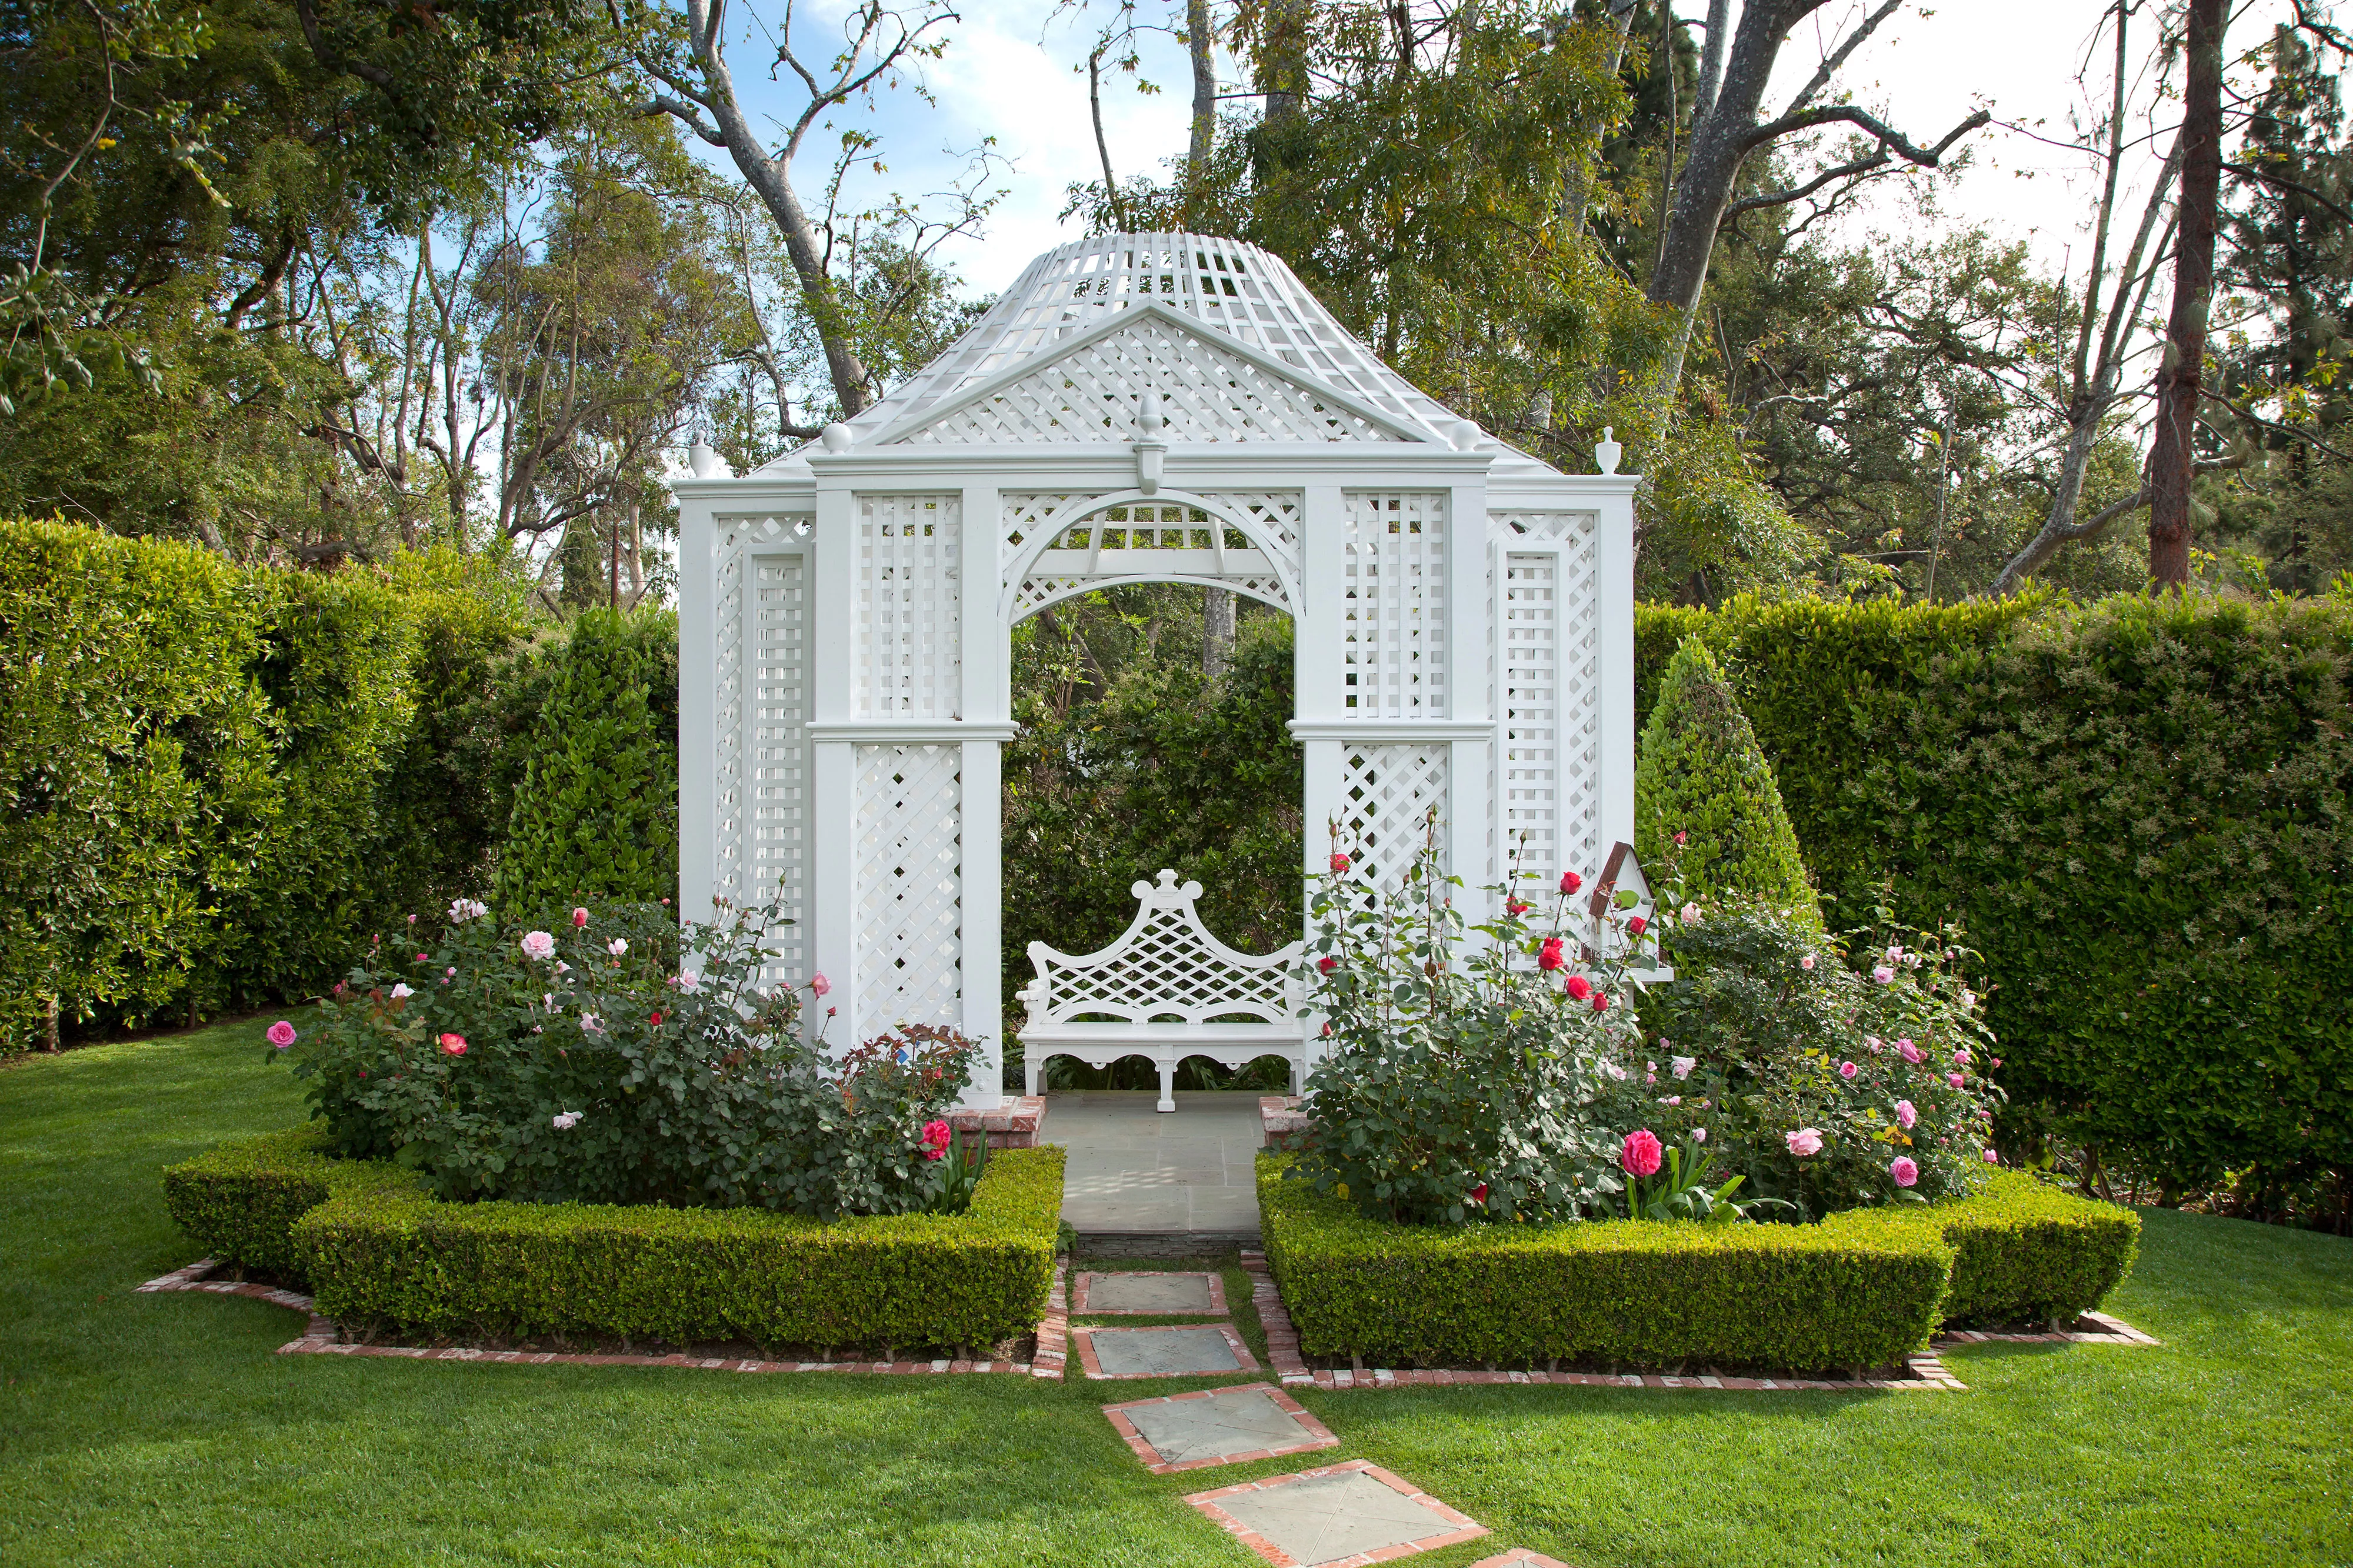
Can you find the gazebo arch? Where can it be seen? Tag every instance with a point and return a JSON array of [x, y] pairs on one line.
[[1463, 612]]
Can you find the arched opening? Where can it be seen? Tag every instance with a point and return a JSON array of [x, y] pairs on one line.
[[1141, 748]]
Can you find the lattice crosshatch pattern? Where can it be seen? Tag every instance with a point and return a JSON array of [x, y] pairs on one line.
[[909, 631], [1385, 796], [1091, 395], [1395, 661], [1167, 967], [759, 755], [910, 881], [1530, 755], [1149, 542], [1572, 803]]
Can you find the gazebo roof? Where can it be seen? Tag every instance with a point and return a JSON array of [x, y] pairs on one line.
[[1211, 285]]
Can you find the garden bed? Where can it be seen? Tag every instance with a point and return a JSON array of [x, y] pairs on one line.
[[1859, 1292], [380, 1254]]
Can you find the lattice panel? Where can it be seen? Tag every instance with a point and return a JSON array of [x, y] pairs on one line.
[[909, 901], [1206, 395], [1529, 614], [730, 823], [1276, 512], [775, 687], [1156, 542], [749, 840], [1168, 972], [1394, 660], [1385, 796], [1577, 707], [910, 658], [1022, 516]]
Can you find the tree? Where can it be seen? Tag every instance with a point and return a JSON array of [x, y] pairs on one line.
[[884, 45], [2198, 155]]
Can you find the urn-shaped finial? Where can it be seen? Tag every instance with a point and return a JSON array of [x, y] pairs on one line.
[[1606, 451]]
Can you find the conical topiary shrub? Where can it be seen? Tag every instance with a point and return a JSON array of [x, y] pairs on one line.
[[598, 808], [1699, 772]]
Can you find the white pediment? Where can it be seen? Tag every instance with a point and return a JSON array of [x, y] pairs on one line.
[[1211, 388]]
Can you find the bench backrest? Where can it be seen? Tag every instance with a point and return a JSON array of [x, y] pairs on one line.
[[1164, 967]]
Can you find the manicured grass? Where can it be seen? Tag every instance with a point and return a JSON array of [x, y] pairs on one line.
[[160, 1429]]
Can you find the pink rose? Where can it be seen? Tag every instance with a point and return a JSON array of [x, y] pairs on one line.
[[1910, 1052], [1906, 1115], [1805, 1142], [1883, 974], [1961, 1057], [1905, 1171], [1954, 1078], [1991, 1158], [1571, 882], [1339, 865], [579, 919], [282, 1034], [936, 1139], [1699, 1134], [453, 1045], [820, 985], [1807, 961], [538, 944], [1639, 1154], [1847, 1070]]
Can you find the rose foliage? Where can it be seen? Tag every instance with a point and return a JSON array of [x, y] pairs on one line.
[[607, 1054]]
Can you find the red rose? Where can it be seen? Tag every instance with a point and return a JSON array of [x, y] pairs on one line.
[[1479, 1194], [1327, 964], [1578, 987], [1601, 1001], [1571, 882], [1678, 840], [1549, 955], [1515, 907], [1637, 925], [658, 1020], [1339, 865]]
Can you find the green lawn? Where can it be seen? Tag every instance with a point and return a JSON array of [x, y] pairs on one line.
[[160, 1429]]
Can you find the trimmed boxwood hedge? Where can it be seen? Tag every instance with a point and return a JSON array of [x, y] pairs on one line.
[[380, 1250], [1861, 1289]]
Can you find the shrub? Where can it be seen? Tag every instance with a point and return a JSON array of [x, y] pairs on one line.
[[596, 808], [239, 1200], [1862, 1288], [1630, 1294], [1460, 1080], [1775, 1028], [2139, 810], [398, 1257], [581, 1059], [1704, 794]]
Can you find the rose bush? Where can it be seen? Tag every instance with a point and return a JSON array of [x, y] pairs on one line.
[[1463, 1078], [607, 1054], [1832, 1073]]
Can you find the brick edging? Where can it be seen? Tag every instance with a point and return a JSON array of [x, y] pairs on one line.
[[2104, 1330], [1012, 1125], [320, 1338]]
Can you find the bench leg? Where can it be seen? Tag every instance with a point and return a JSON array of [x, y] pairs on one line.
[[1030, 1063], [1167, 1086]]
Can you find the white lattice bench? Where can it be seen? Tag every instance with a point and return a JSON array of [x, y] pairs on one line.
[[1165, 990]]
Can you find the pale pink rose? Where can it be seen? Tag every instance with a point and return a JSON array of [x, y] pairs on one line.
[[618, 946], [1807, 961], [401, 992], [1699, 1134], [820, 985], [282, 1034], [1691, 914], [1905, 1171], [1805, 1142], [1883, 974], [565, 1121], [1905, 1114], [1672, 1099], [1683, 1066], [687, 982], [538, 944], [1875, 1042], [1910, 1052]]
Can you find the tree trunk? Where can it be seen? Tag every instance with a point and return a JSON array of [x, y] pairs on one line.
[[1202, 40], [2172, 454], [1217, 633]]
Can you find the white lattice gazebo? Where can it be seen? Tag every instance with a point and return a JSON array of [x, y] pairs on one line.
[[1135, 408]]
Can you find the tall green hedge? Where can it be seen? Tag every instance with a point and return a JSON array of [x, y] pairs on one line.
[[214, 779], [2142, 810]]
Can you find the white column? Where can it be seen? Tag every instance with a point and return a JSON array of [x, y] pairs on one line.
[[987, 699], [1316, 670], [1613, 583], [1470, 641], [833, 825], [698, 735]]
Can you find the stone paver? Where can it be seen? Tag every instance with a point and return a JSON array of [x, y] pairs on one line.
[[1218, 1426], [1189, 1351], [1135, 1172], [1142, 1291], [1338, 1517]]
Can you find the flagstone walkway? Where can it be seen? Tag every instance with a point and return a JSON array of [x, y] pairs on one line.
[[1142, 1183]]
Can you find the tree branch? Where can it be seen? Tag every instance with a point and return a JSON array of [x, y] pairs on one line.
[[1878, 160], [1887, 135], [1838, 57], [2250, 173], [328, 58]]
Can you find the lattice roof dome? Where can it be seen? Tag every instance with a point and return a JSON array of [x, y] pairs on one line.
[[1231, 288]]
